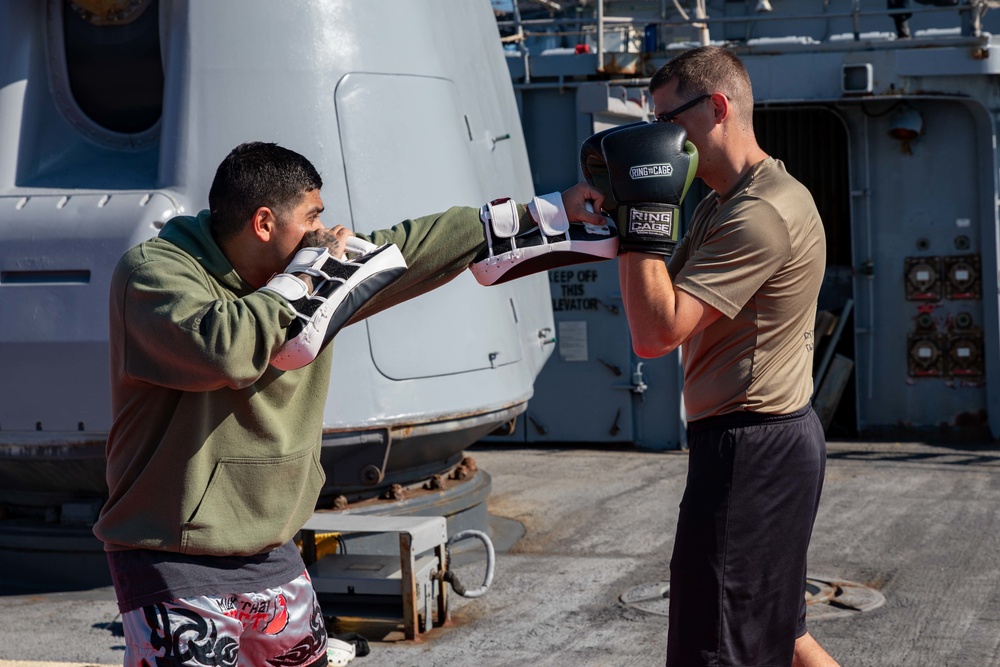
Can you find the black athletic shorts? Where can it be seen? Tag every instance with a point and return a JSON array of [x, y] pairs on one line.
[[737, 574]]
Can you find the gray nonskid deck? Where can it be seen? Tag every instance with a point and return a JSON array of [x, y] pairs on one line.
[[914, 521]]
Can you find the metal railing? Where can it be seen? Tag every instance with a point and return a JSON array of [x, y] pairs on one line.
[[970, 21]]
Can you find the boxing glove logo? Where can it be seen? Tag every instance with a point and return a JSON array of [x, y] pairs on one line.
[[650, 170], [658, 223]]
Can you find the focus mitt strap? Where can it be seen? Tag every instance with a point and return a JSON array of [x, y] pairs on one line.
[[552, 241]]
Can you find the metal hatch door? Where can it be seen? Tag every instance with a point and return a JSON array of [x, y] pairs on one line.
[[407, 152]]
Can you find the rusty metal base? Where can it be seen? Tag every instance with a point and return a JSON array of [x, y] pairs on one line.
[[36, 557]]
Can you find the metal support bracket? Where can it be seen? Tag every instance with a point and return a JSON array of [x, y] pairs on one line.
[[417, 534]]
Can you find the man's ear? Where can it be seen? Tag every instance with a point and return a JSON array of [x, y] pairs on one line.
[[721, 106], [263, 223]]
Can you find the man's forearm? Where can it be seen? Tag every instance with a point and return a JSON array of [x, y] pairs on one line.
[[661, 317], [650, 304]]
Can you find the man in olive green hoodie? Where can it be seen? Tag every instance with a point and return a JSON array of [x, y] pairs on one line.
[[213, 456]]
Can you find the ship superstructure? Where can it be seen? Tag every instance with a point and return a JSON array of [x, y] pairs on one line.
[[887, 113]]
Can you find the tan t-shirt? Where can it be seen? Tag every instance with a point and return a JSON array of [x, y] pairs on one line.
[[756, 254]]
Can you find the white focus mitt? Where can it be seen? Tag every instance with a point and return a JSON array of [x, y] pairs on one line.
[[552, 242], [340, 288]]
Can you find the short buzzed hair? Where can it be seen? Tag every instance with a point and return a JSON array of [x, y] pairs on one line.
[[258, 174], [705, 70]]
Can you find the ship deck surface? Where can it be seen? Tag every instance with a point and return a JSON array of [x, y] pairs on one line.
[[578, 527]]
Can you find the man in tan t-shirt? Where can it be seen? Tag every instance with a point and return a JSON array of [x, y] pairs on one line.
[[755, 255], [739, 293]]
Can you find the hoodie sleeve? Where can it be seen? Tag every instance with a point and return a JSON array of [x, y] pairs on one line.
[[175, 326], [437, 248]]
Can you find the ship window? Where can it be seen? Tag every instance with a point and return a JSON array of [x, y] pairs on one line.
[[114, 70]]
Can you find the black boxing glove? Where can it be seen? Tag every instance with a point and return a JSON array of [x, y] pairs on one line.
[[595, 169], [650, 168]]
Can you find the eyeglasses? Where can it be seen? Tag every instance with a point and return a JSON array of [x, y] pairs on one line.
[[670, 115]]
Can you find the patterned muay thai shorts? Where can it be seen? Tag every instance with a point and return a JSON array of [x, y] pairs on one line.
[[280, 626]]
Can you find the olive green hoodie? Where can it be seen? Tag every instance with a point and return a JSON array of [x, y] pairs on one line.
[[212, 451]]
